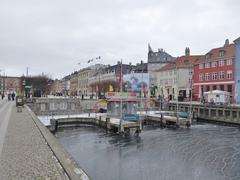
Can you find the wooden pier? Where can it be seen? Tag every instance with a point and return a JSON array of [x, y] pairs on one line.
[[104, 121], [165, 119]]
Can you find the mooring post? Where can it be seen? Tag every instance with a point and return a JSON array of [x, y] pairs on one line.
[[161, 120], [100, 120], [56, 125], [107, 122]]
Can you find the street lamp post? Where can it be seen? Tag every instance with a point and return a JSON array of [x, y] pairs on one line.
[[191, 97], [24, 84], [141, 97], [3, 81]]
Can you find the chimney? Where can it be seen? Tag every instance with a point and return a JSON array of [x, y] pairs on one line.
[[187, 51], [226, 42]]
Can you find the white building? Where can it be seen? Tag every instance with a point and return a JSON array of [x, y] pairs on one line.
[[176, 78]]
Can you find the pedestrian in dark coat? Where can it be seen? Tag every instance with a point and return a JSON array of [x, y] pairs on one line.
[[13, 96]]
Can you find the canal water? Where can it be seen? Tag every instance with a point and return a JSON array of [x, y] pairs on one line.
[[203, 152]]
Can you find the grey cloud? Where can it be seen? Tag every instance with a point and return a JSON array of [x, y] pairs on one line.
[[53, 36]]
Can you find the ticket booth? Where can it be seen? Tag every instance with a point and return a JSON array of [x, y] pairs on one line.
[[127, 101]]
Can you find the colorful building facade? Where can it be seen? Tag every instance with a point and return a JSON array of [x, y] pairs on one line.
[[215, 71], [237, 70], [175, 79]]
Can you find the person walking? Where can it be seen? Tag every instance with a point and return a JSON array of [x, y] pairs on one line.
[[9, 96], [2, 95], [13, 96]]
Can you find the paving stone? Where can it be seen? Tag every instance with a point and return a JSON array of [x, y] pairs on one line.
[[25, 154]]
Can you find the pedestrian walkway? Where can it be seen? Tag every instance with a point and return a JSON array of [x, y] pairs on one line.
[[24, 153]]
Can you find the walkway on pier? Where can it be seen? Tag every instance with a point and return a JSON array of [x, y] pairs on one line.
[[24, 153]]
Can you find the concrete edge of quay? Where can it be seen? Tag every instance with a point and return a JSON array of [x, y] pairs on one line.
[[71, 168]]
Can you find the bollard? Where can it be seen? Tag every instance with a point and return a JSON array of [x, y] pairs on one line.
[[19, 108]]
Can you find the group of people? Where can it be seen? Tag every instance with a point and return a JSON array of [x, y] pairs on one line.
[[10, 95]]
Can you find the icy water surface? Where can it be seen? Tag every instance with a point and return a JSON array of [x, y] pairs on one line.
[[203, 152]]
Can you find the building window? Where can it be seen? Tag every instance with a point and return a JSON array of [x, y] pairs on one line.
[[207, 88], [208, 56], [229, 88], [221, 53], [200, 77], [229, 74], [214, 87], [207, 76], [222, 87], [214, 64], [221, 63], [214, 76], [229, 62], [186, 61], [200, 66], [221, 75], [207, 65]]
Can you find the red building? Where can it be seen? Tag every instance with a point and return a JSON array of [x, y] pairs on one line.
[[215, 71]]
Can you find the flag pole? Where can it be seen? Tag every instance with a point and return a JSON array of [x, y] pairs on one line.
[[121, 103]]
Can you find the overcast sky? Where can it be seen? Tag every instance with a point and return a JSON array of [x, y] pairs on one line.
[[53, 36]]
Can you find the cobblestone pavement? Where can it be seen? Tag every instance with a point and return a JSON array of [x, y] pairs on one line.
[[24, 154]]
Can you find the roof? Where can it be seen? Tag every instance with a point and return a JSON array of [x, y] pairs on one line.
[[183, 61], [229, 53], [167, 67], [188, 61], [237, 40]]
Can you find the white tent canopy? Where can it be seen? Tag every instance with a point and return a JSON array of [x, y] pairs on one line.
[[217, 97]]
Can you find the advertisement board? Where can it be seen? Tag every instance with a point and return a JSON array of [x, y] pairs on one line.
[[134, 82]]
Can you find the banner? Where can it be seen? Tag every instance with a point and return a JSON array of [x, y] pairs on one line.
[[136, 82]]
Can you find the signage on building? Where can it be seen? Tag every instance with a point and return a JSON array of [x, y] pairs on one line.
[[121, 95], [136, 81]]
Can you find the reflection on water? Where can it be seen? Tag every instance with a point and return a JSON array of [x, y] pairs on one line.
[[202, 152]]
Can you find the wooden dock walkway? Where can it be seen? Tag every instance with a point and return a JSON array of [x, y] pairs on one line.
[[165, 118], [104, 121]]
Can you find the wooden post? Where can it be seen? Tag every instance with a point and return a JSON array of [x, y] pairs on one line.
[[209, 112], [54, 125], [231, 115], [217, 113], [107, 122], [224, 115], [198, 113], [161, 120], [238, 115]]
